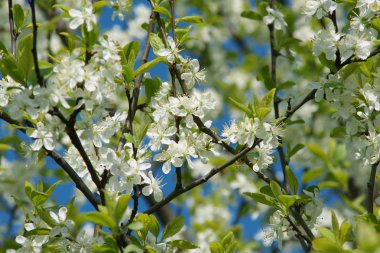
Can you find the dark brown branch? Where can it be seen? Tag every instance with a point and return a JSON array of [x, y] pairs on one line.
[[12, 29], [34, 49], [352, 59], [137, 85], [371, 188], [61, 162], [199, 181]]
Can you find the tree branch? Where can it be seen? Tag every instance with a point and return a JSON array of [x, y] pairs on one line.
[[34, 49], [199, 181], [137, 84], [60, 161], [371, 188], [12, 29]]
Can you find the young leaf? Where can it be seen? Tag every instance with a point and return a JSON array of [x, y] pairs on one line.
[[295, 149], [151, 86], [287, 200], [344, 232], [260, 198], [267, 99], [154, 225], [292, 180], [240, 106], [147, 66], [156, 42], [130, 53], [121, 206], [275, 187], [99, 218], [182, 244], [162, 10], [135, 226], [334, 223], [173, 227], [190, 19], [251, 15], [216, 247], [19, 15], [4, 147]]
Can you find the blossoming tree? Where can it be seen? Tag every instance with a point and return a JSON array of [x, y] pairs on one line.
[[249, 113]]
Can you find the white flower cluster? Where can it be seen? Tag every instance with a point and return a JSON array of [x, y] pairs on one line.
[[84, 16], [61, 235], [357, 41], [276, 18], [280, 228], [358, 107], [191, 143], [247, 131]]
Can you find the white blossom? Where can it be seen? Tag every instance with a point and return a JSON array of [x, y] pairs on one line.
[[152, 187], [193, 74], [43, 137], [84, 16], [276, 18], [170, 53], [319, 7]]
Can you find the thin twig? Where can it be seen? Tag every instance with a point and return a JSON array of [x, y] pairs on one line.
[[12, 29], [137, 84], [273, 55], [34, 49], [60, 161], [199, 181], [371, 188]]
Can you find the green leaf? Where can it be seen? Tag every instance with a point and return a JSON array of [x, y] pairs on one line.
[[45, 216], [162, 10], [325, 245], [260, 198], [133, 248], [275, 187], [240, 106], [344, 232], [121, 206], [98, 5], [182, 244], [52, 188], [156, 42], [151, 87], [287, 200], [4, 147], [317, 151], [19, 16], [285, 85], [292, 179], [130, 53], [228, 239], [216, 247], [28, 187], [147, 66], [190, 19], [99, 218], [25, 56], [295, 149], [262, 112], [267, 99], [376, 23], [173, 227], [326, 233], [136, 226], [334, 223], [251, 15], [312, 174], [264, 75], [154, 225]]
